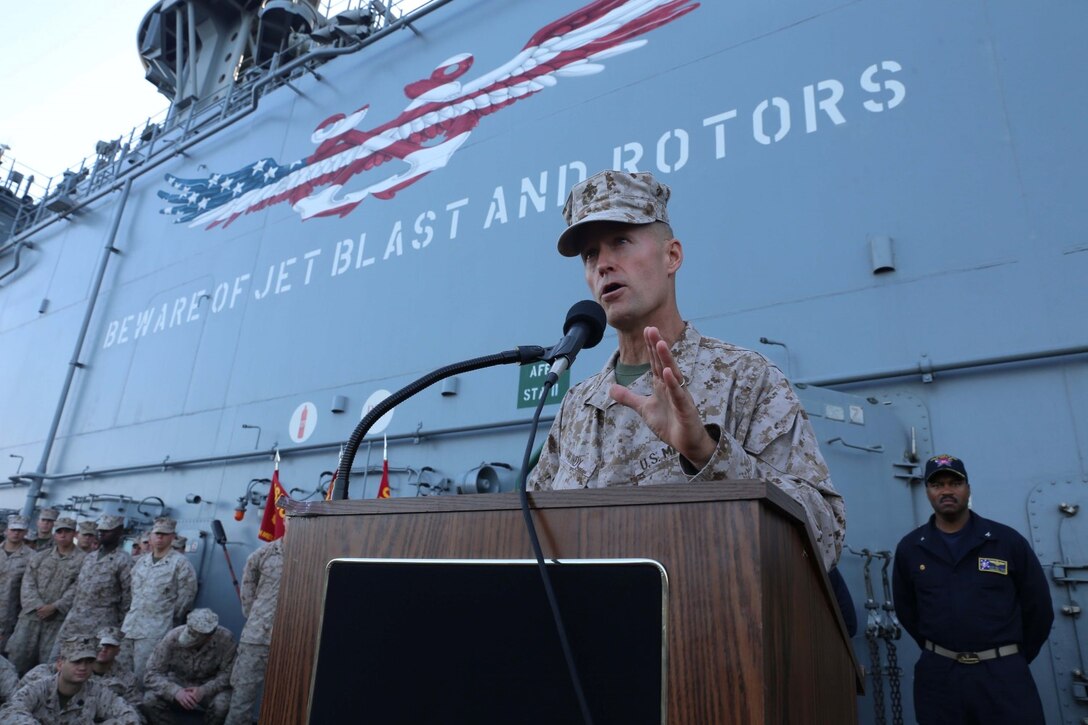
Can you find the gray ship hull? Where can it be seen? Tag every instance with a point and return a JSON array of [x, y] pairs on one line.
[[885, 200]]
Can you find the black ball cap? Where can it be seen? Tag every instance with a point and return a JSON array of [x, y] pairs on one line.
[[945, 462]]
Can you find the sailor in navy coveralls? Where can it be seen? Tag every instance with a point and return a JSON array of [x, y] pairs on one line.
[[973, 595]]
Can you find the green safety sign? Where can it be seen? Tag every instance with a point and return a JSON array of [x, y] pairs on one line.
[[531, 385]]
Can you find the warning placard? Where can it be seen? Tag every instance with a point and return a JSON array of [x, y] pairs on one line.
[[531, 385]]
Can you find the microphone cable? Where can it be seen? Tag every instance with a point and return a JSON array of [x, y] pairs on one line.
[[530, 527], [587, 319]]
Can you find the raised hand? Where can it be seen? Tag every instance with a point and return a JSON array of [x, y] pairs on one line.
[[669, 411]]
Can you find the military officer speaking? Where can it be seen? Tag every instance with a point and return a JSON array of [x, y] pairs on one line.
[[671, 404], [973, 595]]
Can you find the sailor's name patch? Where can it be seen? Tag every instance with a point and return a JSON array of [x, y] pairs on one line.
[[993, 566]]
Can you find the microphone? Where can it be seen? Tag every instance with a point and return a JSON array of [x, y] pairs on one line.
[[583, 328]]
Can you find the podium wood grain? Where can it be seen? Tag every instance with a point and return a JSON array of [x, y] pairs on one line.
[[754, 635]]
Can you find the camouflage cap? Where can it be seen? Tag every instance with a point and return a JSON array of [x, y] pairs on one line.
[[87, 527], [111, 636], [203, 620], [78, 648], [65, 522], [107, 522], [180, 542], [164, 525], [612, 196], [17, 521], [49, 514]]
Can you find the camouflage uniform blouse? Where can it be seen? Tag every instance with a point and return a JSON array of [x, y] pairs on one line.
[[163, 592], [44, 671], [50, 579], [764, 434], [103, 593], [38, 702], [172, 667], [12, 567], [41, 544], [118, 679], [123, 684], [260, 590]]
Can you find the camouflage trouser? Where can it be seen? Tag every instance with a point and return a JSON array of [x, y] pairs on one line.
[[135, 653], [7, 626], [159, 711], [32, 642], [246, 679], [9, 680]]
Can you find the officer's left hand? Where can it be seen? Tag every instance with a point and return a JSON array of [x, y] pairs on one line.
[[669, 411]]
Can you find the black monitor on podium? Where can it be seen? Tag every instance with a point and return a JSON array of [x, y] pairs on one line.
[[456, 641]]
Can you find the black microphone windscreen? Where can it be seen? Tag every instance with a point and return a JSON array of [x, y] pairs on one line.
[[590, 313]]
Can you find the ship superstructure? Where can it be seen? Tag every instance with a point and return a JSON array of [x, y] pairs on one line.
[[885, 200]]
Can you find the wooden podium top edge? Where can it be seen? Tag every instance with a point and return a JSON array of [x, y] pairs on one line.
[[672, 493]]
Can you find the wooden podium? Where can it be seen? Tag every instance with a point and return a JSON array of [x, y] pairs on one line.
[[754, 632]]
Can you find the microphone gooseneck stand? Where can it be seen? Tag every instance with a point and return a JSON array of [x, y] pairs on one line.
[[519, 355], [584, 328]]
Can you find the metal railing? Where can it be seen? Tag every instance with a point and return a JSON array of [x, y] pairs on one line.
[[35, 200]]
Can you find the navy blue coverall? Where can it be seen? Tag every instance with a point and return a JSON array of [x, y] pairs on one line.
[[994, 595]]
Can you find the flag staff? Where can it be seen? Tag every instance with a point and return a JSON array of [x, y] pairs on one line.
[[221, 539], [383, 487]]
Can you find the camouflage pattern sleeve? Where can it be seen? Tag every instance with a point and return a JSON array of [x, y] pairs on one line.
[[12, 568], [226, 649], [123, 684], [106, 706], [30, 594], [21, 707], [16, 715], [37, 703], [543, 474], [772, 440], [186, 589], [251, 577], [64, 602], [263, 592], [157, 673], [125, 579], [9, 679], [44, 671]]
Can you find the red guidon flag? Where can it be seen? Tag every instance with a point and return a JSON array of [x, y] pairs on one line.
[[383, 487], [332, 483], [272, 522]]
